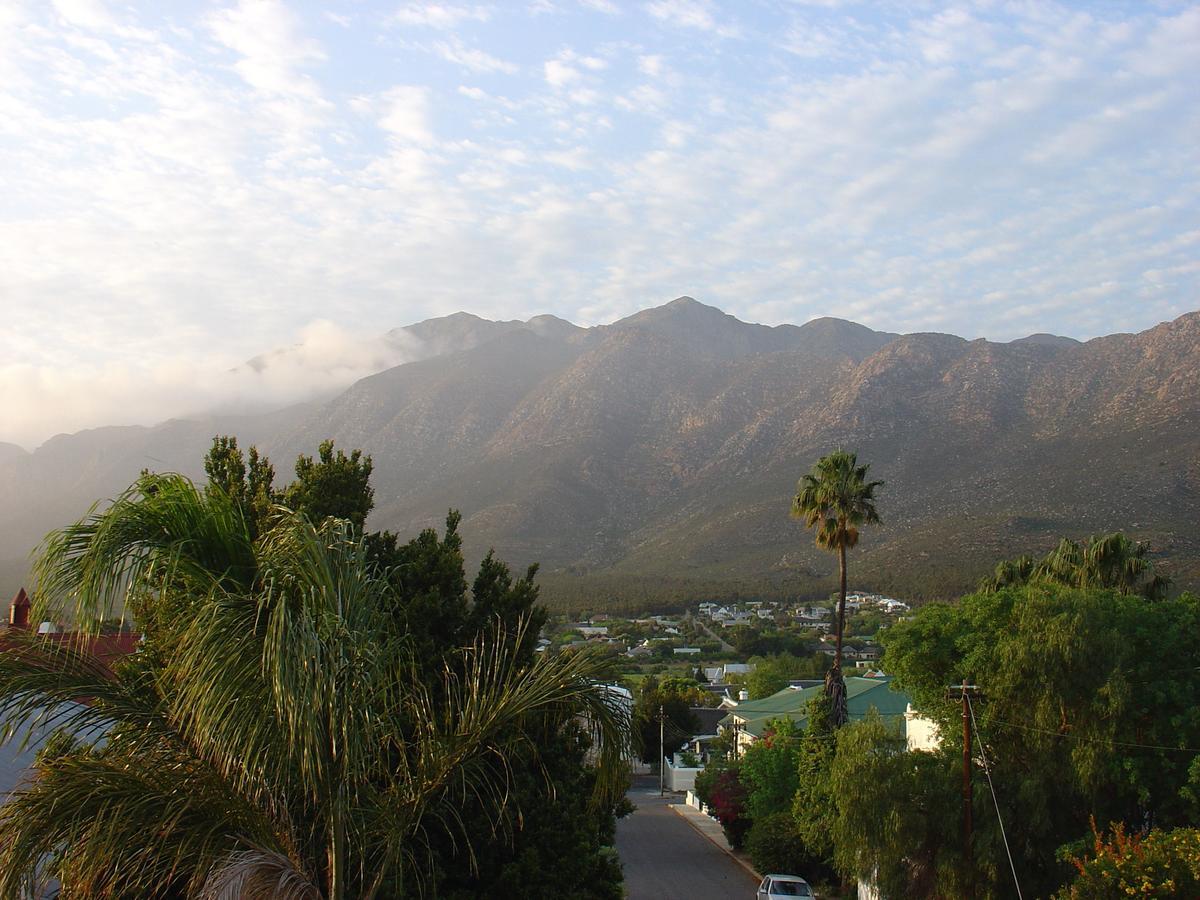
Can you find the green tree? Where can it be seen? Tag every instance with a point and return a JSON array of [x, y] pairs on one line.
[[813, 807], [275, 735], [774, 845], [671, 698], [1087, 713], [773, 673], [895, 814], [836, 499], [770, 769], [333, 484]]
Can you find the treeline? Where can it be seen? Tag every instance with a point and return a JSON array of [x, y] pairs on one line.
[[632, 595]]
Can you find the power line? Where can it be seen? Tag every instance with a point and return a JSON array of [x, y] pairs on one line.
[[1107, 741], [987, 770]]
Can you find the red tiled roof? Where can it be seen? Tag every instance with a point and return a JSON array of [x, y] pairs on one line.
[[106, 648]]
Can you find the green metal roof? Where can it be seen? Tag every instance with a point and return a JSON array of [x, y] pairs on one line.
[[862, 695]]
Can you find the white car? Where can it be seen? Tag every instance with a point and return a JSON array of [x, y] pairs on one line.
[[783, 886]]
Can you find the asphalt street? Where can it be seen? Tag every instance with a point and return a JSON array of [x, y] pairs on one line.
[[665, 858]]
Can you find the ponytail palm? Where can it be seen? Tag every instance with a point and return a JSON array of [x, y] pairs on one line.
[[276, 739], [835, 499]]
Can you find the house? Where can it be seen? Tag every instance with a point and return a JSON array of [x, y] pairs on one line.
[[920, 733], [686, 651], [17, 755], [107, 648], [717, 674], [722, 691], [750, 718]]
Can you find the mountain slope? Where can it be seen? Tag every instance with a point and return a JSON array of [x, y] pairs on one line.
[[663, 449]]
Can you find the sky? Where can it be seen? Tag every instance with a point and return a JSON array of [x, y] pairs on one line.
[[186, 185]]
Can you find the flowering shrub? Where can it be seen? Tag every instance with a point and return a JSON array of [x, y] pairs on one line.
[[1160, 864], [720, 788]]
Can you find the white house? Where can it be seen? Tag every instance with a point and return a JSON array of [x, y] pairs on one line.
[[921, 732]]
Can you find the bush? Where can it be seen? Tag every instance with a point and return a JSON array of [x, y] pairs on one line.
[[774, 844], [1161, 864], [720, 788]]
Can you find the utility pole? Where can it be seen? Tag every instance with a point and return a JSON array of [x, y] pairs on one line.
[[968, 798], [662, 755], [965, 692]]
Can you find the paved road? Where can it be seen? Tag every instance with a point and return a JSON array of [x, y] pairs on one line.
[[726, 647], [665, 858]]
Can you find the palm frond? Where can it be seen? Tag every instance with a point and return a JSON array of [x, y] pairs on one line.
[[257, 875], [112, 823], [43, 681], [162, 526]]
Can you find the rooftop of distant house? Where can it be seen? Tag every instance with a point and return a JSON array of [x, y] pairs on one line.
[[107, 648]]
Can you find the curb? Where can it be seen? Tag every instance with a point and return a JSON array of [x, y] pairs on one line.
[[728, 852]]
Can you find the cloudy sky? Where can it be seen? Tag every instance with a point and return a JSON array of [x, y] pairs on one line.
[[188, 184]]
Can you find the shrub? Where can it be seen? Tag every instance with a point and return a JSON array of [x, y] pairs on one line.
[[774, 844], [720, 788], [1161, 864]]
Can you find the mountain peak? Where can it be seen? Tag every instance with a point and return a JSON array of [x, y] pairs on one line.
[[1042, 339]]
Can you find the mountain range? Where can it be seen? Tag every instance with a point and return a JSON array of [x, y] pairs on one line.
[[656, 457]]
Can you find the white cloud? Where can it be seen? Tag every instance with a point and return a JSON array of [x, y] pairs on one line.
[[405, 113], [44, 400], [439, 15], [273, 53], [181, 193], [84, 13], [472, 58], [696, 14], [651, 65], [559, 72]]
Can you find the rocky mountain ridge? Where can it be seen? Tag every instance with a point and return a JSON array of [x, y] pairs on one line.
[[664, 448]]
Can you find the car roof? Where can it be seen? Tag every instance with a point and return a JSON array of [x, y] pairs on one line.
[[795, 878]]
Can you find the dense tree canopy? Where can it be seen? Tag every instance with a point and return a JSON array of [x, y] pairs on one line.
[[672, 697], [1091, 708]]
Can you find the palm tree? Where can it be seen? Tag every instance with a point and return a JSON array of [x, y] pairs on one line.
[[836, 499], [1109, 561], [1009, 572], [274, 738]]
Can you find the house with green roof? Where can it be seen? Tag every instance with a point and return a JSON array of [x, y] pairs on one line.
[[750, 717]]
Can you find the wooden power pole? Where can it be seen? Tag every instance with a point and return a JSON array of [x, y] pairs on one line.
[[662, 755], [965, 692]]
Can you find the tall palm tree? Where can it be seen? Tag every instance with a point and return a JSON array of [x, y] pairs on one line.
[[274, 739], [836, 499]]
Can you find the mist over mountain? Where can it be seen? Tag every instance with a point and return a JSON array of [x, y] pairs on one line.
[[664, 448]]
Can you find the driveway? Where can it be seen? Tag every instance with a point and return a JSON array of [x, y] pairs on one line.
[[665, 858]]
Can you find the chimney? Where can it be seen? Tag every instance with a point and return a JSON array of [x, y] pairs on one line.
[[743, 695], [18, 612]]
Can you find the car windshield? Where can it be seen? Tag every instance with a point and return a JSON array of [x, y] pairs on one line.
[[790, 889]]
